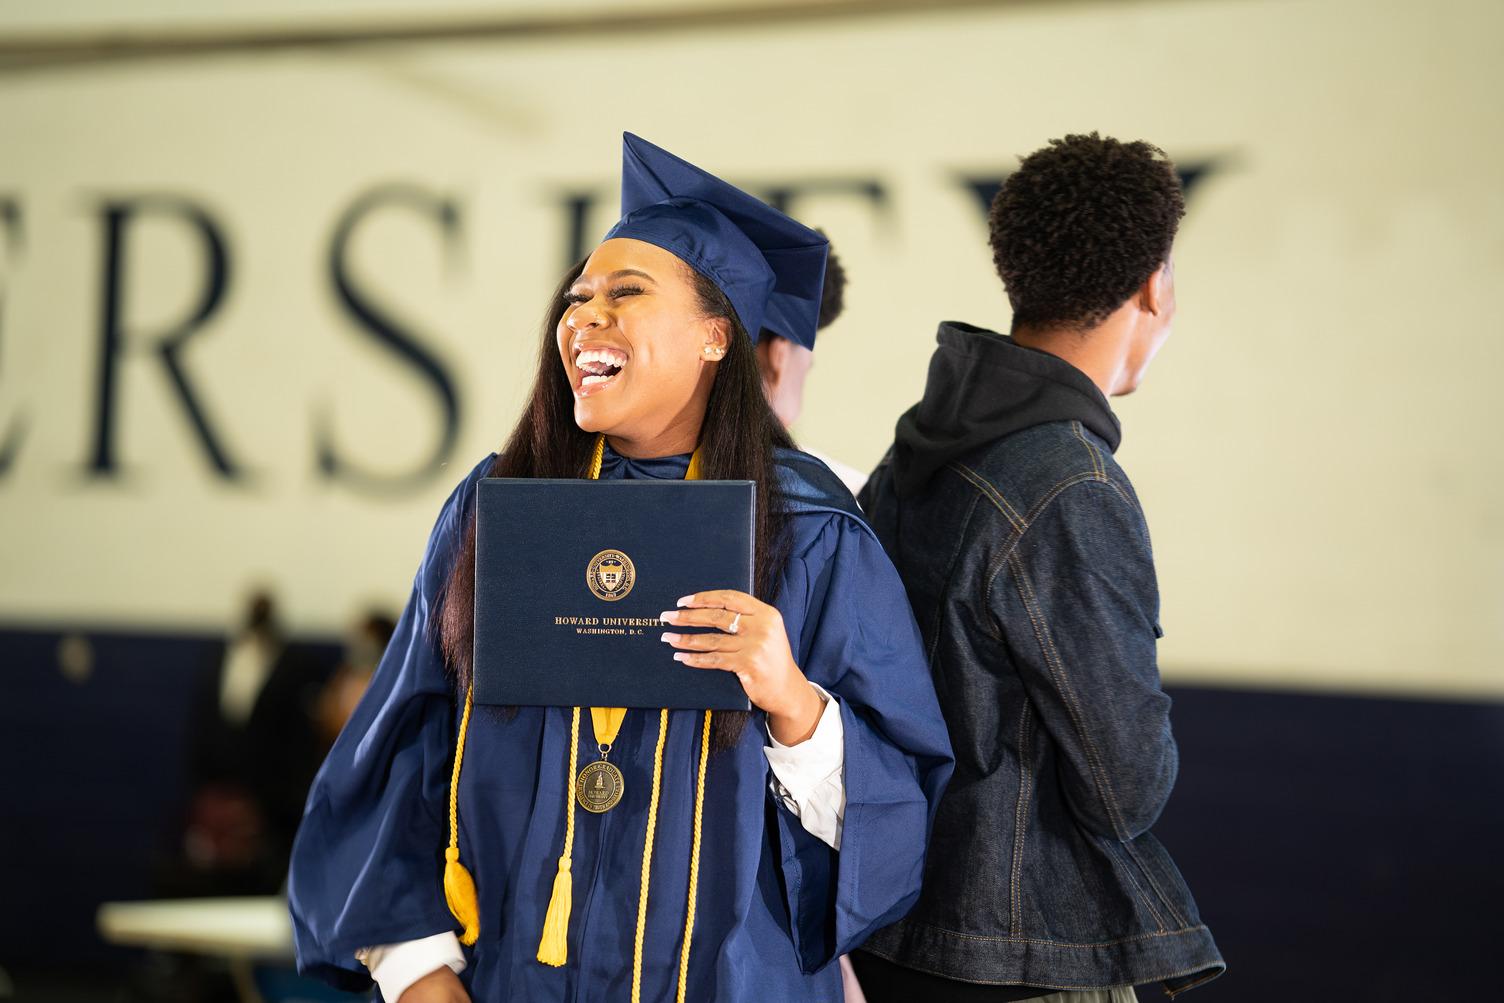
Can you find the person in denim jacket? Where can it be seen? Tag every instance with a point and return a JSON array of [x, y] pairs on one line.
[[1026, 556]]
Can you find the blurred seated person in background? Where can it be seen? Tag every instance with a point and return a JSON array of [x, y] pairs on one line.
[[225, 846], [253, 749], [364, 646]]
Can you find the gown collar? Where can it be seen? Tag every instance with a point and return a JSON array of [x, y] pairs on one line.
[[615, 466]]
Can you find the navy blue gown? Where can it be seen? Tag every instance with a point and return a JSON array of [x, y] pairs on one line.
[[775, 906]]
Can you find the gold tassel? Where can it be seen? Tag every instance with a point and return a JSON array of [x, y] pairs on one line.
[[553, 945], [459, 892], [459, 886], [553, 949]]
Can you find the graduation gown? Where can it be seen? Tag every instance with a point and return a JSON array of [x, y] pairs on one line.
[[776, 905]]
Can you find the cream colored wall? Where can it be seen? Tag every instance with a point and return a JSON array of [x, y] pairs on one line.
[[1316, 447]]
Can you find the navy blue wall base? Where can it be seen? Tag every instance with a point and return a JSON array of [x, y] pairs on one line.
[[1340, 848]]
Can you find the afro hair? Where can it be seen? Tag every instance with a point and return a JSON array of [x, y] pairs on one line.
[[833, 294], [1080, 226]]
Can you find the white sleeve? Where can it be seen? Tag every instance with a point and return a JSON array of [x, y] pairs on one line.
[[395, 967], [809, 778]]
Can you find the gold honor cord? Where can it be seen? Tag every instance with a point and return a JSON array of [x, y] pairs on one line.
[[694, 860], [647, 857], [459, 886]]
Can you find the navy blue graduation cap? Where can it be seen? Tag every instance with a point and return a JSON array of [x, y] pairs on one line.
[[769, 266]]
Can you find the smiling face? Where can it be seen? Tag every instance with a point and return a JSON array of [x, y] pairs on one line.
[[634, 342]]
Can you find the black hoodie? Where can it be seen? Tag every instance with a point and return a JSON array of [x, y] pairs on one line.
[[982, 386]]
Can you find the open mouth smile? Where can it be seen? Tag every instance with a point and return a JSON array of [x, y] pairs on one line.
[[598, 368]]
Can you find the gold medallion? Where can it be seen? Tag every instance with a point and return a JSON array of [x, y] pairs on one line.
[[599, 787]]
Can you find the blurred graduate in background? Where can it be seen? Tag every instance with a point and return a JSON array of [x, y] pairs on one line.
[[785, 364]]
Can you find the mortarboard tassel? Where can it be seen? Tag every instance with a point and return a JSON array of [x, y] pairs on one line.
[[459, 886]]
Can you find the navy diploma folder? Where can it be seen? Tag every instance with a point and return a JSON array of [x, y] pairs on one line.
[[570, 576]]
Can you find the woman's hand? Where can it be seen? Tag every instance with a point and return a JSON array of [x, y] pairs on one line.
[[753, 644], [439, 986]]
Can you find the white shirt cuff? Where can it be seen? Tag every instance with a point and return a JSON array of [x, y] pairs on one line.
[[809, 778], [395, 967]]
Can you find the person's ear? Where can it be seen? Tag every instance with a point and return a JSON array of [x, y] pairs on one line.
[[779, 349], [1153, 295], [717, 339], [767, 367]]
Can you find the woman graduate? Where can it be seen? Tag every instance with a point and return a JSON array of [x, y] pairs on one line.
[[443, 850]]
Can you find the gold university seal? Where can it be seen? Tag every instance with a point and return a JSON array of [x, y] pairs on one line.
[[610, 575]]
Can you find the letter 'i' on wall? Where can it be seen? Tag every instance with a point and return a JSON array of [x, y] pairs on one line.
[[10, 246]]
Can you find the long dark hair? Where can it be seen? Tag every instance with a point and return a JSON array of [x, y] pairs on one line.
[[737, 440]]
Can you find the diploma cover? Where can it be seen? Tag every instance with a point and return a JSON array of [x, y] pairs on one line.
[[570, 576]]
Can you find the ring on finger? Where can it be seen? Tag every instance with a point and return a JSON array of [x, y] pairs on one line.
[[736, 623]]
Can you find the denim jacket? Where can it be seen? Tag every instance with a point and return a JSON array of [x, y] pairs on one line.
[[1027, 560]]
